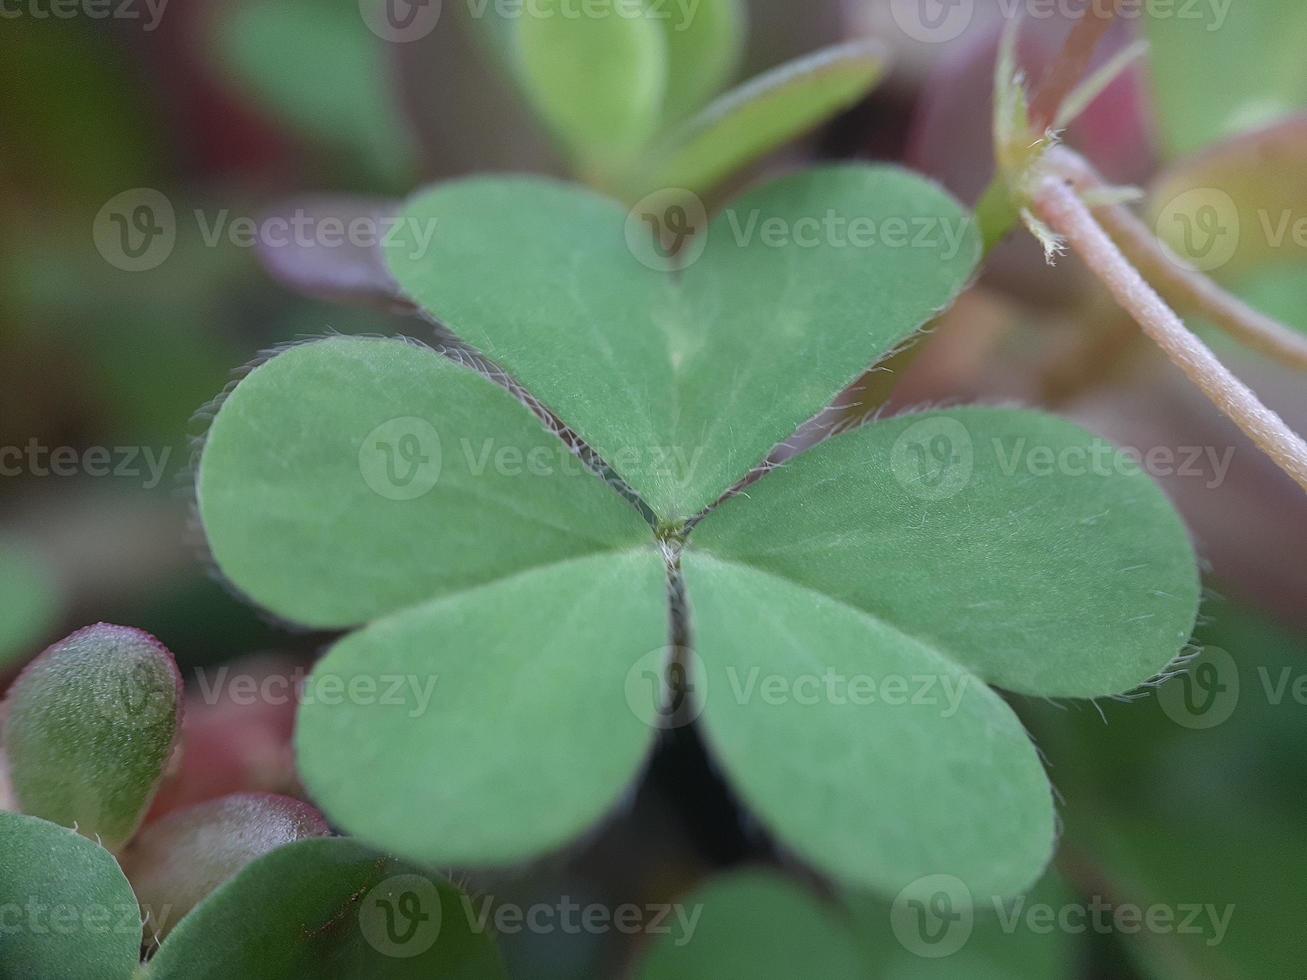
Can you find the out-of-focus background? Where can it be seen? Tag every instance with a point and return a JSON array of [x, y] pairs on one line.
[[119, 323]]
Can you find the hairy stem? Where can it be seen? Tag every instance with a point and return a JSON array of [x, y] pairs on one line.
[[1058, 204], [1182, 287]]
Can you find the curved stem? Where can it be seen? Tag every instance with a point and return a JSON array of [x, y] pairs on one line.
[[1059, 205], [1180, 286]]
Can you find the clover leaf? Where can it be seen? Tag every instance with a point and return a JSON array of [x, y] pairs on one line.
[[69, 911], [844, 615]]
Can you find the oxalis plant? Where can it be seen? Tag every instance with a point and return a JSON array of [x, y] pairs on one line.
[[632, 496]]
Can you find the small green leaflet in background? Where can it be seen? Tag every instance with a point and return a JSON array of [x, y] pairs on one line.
[[91, 724], [334, 89], [763, 114], [598, 81], [1219, 69], [704, 43], [28, 603], [47, 871], [329, 907]]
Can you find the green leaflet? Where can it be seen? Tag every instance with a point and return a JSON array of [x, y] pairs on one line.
[[597, 80], [513, 693], [684, 386], [91, 725], [328, 907], [1014, 544], [703, 47], [761, 115], [69, 912], [349, 478]]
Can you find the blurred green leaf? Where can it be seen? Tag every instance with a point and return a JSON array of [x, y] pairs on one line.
[[704, 45], [1223, 68], [318, 68], [91, 724], [597, 80], [329, 907], [997, 939], [755, 924], [28, 603], [758, 117], [68, 910], [1191, 799]]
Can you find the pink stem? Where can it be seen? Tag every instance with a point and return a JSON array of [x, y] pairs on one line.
[[1058, 204]]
